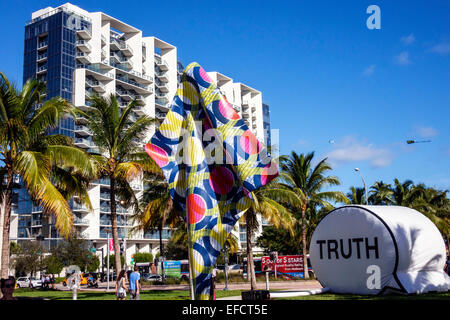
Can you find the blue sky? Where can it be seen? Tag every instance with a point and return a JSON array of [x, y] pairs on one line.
[[325, 75]]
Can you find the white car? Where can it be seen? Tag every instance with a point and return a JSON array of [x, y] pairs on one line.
[[24, 282]]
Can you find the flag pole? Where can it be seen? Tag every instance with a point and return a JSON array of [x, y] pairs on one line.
[[191, 269]]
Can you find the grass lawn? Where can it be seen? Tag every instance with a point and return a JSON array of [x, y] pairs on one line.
[[426, 296], [95, 295]]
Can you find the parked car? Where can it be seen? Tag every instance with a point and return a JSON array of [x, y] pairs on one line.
[[235, 268], [151, 277], [24, 282]]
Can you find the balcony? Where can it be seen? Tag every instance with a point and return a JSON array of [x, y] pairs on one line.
[[160, 115], [42, 57], [162, 76], [125, 94], [245, 103], [42, 45], [139, 110], [41, 69], [141, 88], [162, 86], [103, 38], [123, 104], [82, 130], [79, 207], [95, 70], [83, 45], [121, 60], [83, 143], [162, 104], [139, 98], [161, 63], [161, 95], [106, 196], [96, 85], [117, 44], [107, 209], [80, 222], [36, 223], [83, 57], [84, 33]]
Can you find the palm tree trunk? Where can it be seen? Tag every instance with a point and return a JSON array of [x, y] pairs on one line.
[[304, 249], [115, 234], [6, 211], [250, 264]]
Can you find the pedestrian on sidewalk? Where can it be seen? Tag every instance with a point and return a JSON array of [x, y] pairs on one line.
[[121, 287], [135, 286], [213, 283]]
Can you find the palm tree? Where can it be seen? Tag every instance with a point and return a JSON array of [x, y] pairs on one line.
[[381, 193], [434, 204], [266, 202], [28, 152], [356, 196], [307, 183], [122, 158], [402, 194]]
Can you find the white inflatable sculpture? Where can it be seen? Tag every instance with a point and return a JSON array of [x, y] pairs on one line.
[[378, 249]]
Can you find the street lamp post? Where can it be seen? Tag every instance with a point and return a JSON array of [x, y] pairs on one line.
[[108, 231], [364, 183], [225, 250]]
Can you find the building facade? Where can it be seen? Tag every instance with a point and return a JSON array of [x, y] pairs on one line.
[[80, 53]]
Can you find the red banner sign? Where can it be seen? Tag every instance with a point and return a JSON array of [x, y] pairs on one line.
[[285, 264], [111, 245]]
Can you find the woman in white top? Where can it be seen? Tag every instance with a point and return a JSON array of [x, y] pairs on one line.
[[121, 287]]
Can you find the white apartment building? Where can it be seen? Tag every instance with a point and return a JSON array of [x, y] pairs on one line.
[[103, 55]]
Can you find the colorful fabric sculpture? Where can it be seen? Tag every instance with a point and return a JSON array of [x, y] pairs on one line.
[[212, 162]]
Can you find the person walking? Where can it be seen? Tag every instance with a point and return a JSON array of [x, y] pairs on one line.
[[135, 286], [121, 287], [213, 283], [53, 281]]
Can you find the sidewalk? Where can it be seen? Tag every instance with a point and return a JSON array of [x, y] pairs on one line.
[[278, 285], [298, 285]]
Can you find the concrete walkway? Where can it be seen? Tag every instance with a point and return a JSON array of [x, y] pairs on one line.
[[303, 285], [293, 285]]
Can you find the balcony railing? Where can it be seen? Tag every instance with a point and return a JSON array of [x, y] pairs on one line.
[[82, 42], [162, 64], [42, 68], [108, 209], [80, 221], [96, 68], [42, 56], [161, 102], [95, 83], [84, 142], [104, 181], [42, 44], [83, 55], [82, 128], [79, 207], [132, 82], [84, 31]]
